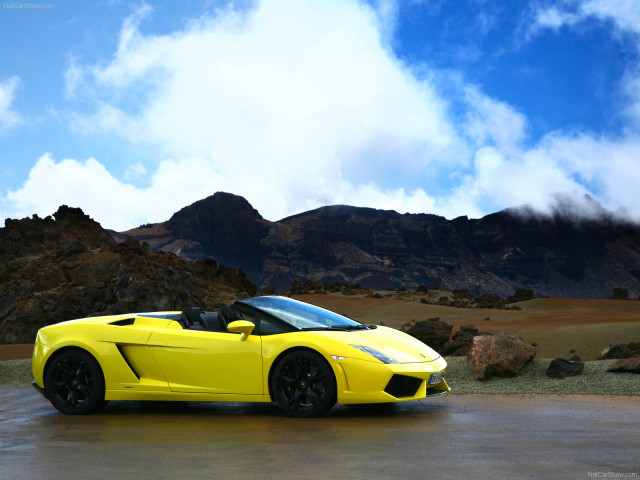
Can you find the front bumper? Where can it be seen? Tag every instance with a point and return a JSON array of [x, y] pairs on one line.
[[375, 382]]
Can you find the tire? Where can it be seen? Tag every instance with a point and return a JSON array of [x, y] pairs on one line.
[[303, 384], [74, 383]]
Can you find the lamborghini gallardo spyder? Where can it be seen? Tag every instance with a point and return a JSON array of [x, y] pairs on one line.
[[262, 349]]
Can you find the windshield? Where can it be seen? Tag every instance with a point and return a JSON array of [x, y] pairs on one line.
[[302, 315]]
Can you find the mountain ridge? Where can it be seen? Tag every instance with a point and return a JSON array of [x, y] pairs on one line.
[[558, 255]]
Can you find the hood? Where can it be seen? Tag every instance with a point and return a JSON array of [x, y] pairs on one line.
[[398, 345]]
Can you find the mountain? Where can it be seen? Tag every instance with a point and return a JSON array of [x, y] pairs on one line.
[[557, 255], [67, 266]]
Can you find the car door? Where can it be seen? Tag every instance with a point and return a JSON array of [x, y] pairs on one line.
[[209, 362]]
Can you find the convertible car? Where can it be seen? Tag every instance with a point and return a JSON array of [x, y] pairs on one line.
[[262, 349]]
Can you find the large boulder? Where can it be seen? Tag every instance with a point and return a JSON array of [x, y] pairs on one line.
[[433, 332], [626, 365], [501, 355], [561, 368]]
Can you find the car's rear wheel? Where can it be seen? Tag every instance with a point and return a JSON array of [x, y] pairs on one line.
[[303, 384], [74, 383]]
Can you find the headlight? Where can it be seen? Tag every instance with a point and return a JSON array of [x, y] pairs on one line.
[[375, 354]]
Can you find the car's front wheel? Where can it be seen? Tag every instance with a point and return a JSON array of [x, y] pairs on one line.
[[74, 383], [303, 384]]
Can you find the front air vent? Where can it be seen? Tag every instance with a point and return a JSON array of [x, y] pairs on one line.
[[124, 322], [403, 386]]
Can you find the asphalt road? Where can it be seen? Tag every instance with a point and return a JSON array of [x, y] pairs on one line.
[[454, 436]]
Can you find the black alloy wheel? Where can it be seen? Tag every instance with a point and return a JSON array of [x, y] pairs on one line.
[[74, 383], [303, 384]]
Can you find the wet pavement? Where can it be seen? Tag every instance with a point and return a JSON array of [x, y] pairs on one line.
[[453, 436]]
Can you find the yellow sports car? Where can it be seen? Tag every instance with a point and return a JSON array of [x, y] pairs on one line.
[[261, 349]]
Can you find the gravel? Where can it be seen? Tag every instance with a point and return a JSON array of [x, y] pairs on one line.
[[595, 380], [15, 373]]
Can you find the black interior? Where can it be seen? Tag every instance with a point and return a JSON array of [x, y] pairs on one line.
[[213, 321], [194, 319], [228, 315]]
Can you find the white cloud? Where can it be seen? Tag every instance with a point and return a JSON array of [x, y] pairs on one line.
[[491, 122], [287, 102], [73, 76], [522, 177], [135, 171], [113, 203], [553, 18], [624, 14], [387, 12], [620, 17], [298, 104], [9, 118], [606, 166], [559, 170]]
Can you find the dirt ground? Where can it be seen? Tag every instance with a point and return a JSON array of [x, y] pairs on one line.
[[557, 325], [16, 352]]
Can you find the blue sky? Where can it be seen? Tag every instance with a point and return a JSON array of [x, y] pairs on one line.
[[133, 110]]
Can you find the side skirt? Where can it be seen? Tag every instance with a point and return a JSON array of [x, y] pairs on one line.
[[183, 397]]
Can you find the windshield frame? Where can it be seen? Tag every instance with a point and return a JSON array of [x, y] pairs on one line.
[[301, 315]]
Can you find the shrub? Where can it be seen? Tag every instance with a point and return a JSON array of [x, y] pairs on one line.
[[619, 293], [520, 295]]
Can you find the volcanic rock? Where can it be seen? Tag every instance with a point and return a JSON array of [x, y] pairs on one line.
[[462, 341], [67, 266], [626, 365], [629, 350], [501, 355], [561, 368], [432, 332]]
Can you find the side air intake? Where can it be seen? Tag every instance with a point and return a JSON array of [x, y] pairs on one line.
[[120, 349]]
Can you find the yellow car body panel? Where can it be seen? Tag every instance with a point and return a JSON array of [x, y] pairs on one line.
[[209, 362], [150, 358]]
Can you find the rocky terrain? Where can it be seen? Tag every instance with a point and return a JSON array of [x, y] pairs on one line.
[[67, 266], [555, 256]]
